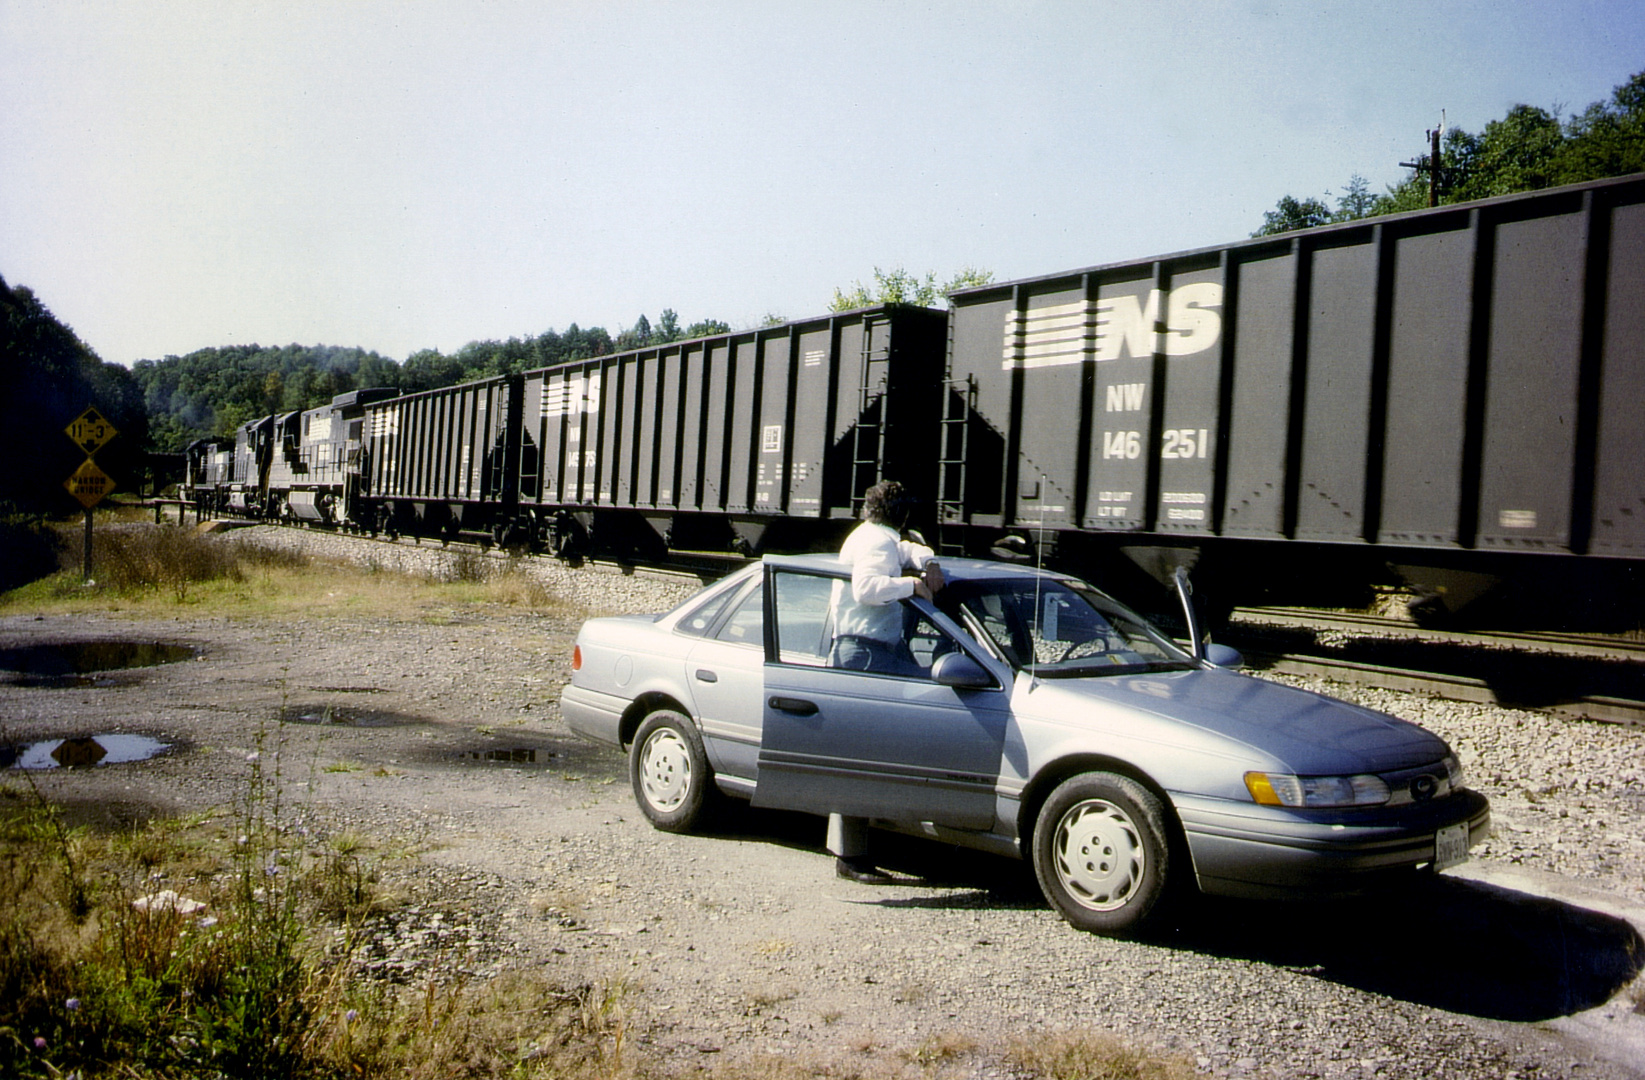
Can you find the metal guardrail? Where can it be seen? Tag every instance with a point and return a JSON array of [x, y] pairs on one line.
[[183, 507]]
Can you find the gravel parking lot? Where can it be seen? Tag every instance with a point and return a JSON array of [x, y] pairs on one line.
[[441, 735]]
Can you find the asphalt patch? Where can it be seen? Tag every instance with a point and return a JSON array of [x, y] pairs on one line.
[[326, 713]]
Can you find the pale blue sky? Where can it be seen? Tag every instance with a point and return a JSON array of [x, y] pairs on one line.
[[402, 175]]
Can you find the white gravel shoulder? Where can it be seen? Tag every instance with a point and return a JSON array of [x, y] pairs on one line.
[[742, 942]]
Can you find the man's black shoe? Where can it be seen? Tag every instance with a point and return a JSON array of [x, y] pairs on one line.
[[861, 870]]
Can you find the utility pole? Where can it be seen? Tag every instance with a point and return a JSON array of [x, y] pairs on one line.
[[1430, 164], [1433, 167]]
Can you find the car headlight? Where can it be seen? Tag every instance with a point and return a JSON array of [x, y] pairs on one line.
[[1282, 789], [1453, 771]]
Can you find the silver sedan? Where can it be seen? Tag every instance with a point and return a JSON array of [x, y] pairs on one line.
[[1024, 713]]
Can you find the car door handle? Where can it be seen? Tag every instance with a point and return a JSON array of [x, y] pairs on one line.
[[797, 706], [704, 675]]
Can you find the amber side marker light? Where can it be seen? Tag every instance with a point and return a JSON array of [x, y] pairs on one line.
[[576, 658]]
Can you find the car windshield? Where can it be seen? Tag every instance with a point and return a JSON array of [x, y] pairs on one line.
[[1061, 627]]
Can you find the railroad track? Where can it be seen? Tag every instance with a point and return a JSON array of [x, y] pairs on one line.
[[1610, 646], [1591, 677], [700, 566]]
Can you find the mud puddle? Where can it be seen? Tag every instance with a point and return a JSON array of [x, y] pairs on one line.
[[75, 664], [81, 752]]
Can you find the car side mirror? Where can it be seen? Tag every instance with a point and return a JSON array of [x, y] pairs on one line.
[[1223, 656], [961, 672]]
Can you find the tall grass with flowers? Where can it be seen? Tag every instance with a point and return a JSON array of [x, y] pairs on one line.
[[220, 946]]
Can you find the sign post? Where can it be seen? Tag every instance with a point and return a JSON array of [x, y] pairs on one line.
[[88, 483]]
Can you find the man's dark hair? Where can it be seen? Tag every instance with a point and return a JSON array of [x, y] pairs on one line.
[[887, 503]]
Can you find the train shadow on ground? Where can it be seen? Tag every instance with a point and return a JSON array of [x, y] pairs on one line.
[[1464, 946]]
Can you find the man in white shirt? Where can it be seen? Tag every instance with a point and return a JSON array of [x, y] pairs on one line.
[[868, 627], [868, 630]]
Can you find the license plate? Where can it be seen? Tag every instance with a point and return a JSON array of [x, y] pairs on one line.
[[1451, 846]]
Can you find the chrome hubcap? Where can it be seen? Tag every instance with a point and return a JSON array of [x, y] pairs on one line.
[[1099, 855], [665, 770]]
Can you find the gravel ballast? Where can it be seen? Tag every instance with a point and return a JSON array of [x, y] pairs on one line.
[[444, 738]]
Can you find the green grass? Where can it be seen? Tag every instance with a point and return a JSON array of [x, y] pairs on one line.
[[145, 569], [99, 978], [1086, 1055]]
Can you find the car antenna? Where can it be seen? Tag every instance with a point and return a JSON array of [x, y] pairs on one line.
[[1039, 567]]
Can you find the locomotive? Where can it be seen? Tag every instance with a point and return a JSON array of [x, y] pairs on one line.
[[1448, 398]]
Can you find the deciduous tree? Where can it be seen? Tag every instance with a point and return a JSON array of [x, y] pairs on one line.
[[898, 286]]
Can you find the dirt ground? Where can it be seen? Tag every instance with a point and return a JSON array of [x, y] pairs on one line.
[[440, 736]]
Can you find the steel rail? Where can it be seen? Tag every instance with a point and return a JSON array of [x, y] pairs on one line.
[[1610, 646], [1577, 676], [1604, 708]]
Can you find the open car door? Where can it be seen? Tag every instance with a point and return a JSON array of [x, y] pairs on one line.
[[900, 746]]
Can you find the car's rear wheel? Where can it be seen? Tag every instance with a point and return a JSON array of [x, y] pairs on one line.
[[669, 771], [1100, 852]]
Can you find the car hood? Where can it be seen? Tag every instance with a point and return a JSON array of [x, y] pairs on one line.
[[1309, 733]]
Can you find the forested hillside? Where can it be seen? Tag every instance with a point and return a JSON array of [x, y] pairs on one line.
[[48, 376], [213, 391]]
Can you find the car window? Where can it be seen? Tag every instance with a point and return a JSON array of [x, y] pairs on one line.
[[804, 623], [819, 626], [1063, 628], [696, 623], [746, 626], [911, 645]]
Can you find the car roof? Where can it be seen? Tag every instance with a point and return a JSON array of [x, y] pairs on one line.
[[955, 569]]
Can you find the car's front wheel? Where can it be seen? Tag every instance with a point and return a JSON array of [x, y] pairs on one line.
[[1100, 852], [669, 771]]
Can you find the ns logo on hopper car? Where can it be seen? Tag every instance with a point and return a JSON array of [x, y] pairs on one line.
[[1108, 327]]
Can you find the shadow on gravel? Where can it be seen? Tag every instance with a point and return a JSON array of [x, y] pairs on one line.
[[108, 814], [970, 879], [572, 758], [1463, 946], [734, 819]]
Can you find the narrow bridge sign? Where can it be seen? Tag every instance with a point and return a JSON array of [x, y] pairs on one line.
[[89, 484], [89, 431]]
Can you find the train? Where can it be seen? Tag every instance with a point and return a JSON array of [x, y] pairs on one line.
[[1447, 398]]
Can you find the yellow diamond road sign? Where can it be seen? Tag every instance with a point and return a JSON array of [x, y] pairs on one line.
[[90, 430], [89, 484]]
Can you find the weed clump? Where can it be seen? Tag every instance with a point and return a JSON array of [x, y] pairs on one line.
[[130, 560], [467, 567], [516, 587], [134, 558], [1086, 1055], [245, 967]]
